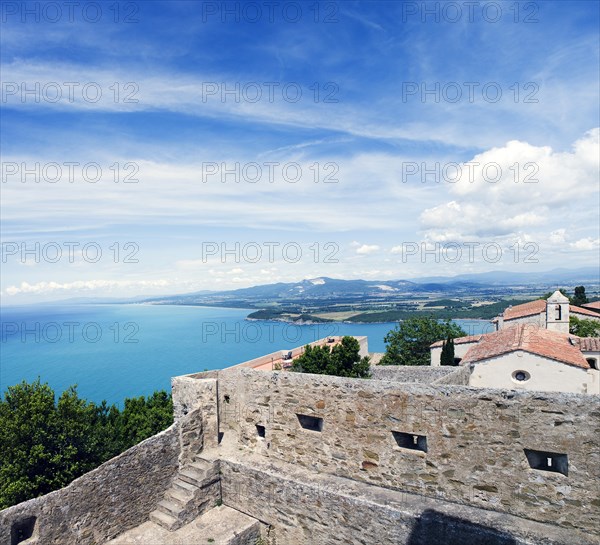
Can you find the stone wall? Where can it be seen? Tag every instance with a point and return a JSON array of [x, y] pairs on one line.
[[410, 373], [105, 502], [347, 458], [198, 396], [474, 439], [306, 508], [460, 376]]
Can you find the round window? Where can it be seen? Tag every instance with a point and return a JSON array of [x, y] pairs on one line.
[[521, 376]]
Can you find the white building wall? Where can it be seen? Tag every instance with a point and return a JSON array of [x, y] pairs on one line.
[[436, 355], [459, 352], [363, 343], [536, 319], [545, 374]]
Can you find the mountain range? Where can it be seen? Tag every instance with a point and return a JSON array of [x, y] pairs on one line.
[[328, 289]]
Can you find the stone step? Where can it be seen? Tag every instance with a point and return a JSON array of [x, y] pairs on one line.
[[202, 463], [219, 526], [179, 496], [184, 486], [202, 467], [169, 508], [192, 475], [225, 525], [165, 521]]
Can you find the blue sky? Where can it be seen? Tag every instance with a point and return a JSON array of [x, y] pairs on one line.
[[368, 116]]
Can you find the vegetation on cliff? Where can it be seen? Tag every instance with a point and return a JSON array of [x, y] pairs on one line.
[[45, 444], [450, 311], [287, 315]]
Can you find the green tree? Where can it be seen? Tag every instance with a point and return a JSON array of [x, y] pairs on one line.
[[408, 343], [447, 356], [579, 298], [45, 444], [343, 360], [584, 328]]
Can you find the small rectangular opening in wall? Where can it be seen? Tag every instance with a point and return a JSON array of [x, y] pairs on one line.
[[22, 530], [548, 461], [410, 441], [312, 423], [260, 430]]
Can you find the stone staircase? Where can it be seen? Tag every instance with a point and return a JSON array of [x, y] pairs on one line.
[[196, 489]]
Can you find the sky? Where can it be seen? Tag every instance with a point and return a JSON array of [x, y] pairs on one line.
[[169, 147]]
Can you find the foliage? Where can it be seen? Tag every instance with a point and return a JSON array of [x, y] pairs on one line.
[[447, 356], [44, 444], [447, 303], [343, 360], [408, 343], [288, 315], [579, 298], [483, 312], [584, 328]]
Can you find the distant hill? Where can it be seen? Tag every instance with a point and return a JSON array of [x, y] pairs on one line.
[[555, 276], [324, 290]]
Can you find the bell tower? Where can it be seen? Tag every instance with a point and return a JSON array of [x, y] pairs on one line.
[[557, 312]]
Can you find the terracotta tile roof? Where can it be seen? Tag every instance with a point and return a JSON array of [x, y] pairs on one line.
[[526, 337], [594, 305], [459, 340], [526, 309], [589, 344], [580, 310], [539, 307]]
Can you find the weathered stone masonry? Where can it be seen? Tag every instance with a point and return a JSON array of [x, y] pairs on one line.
[[475, 439], [327, 460]]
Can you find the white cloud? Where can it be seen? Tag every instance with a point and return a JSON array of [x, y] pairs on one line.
[[586, 244], [558, 236], [367, 249], [85, 286], [557, 183]]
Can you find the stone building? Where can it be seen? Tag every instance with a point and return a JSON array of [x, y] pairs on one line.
[[412, 456], [525, 356], [552, 314], [531, 349]]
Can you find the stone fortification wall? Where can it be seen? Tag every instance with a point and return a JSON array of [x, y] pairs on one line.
[[476, 458], [460, 376], [410, 373], [460, 444], [103, 503], [306, 508]]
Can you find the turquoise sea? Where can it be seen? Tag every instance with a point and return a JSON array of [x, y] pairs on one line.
[[117, 351]]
